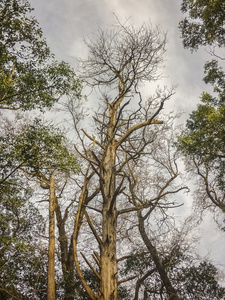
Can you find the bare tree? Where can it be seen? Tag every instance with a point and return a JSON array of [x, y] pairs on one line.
[[119, 62], [152, 190]]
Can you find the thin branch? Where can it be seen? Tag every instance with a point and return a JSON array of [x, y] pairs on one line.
[[90, 266], [93, 139], [141, 280], [152, 120], [93, 229], [127, 279]]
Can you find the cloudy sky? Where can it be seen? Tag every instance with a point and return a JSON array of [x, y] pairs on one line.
[[67, 22]]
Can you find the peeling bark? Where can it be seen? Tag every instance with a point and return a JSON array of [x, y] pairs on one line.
[[108, 262]]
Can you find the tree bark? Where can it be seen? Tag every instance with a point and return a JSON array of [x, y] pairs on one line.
[[158, 262], [67, 257], [108, 282], [108, 286], [51, 248]]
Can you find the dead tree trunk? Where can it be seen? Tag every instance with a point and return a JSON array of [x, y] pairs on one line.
[[108, 283], [119, 62]]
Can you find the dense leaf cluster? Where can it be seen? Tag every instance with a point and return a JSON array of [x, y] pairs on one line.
[[204, 24], [192, 280], [39, 148], [204, 138], [30, 77], [22, 260]]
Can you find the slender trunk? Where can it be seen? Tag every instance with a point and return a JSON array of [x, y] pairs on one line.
[[67, 257], [51, 246], [159, 264], [69, 274], [108, 283]]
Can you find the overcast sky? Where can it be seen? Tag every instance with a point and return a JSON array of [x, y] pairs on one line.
[[66, 23]]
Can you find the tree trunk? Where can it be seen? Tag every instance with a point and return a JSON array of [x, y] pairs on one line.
[[108, 282], [108, 285], [67, 257], [69, 276], [51, 247], [159, 264]]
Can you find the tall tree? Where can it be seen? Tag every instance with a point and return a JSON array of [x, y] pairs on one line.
[[30, 77], [119, 62], [203, 140], [41, 153]]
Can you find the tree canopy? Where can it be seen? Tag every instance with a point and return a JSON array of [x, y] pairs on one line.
[[39, 148], [30, 77], [204, 137], [204, 24], [22, 258]]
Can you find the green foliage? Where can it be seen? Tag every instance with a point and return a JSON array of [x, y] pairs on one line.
[[22, 262], [204, 24], [204, 137], [139, 263], [216, 77], [30, 77], [200, 282], [38, 147], [192, 281]]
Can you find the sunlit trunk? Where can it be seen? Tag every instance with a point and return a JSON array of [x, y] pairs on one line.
[[108, 256], [108, 282]]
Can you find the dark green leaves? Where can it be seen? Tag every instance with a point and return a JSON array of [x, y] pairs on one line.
[[204, 138], [200, 281], [30, 77], [22, 262], [204, 24], [42, 148]]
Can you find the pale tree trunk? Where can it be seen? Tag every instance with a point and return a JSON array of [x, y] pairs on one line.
[[108, 286], [108, 282], [51, 246], [125, 58]]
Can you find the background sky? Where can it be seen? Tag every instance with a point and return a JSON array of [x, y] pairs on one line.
[[66, 23]]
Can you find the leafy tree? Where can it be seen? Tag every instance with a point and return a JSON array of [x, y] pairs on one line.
[[23, 261], [41, 152], [204, 24], [200, 282], [37, 146], [30, 77], [203, 139], [192, 279], [42, 149]]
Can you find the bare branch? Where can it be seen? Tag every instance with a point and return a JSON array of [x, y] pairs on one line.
[[93, 229]]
